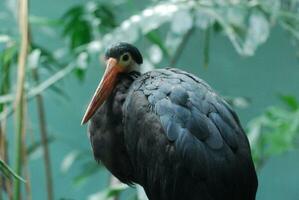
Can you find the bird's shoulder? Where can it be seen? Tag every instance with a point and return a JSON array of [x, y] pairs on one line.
[[172, 111], [187, 105]]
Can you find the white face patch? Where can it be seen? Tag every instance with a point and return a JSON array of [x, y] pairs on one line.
[[134, 67]]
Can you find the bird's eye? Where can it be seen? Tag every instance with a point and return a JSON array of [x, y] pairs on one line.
[[125, 60], [125, 57]]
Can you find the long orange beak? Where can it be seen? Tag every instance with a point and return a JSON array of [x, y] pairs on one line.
[[104, 89]]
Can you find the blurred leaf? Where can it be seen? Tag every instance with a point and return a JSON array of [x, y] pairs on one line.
[[9, 54], [34, 58], [107, 194], [80, 73], [246, 24], [154, 37], [82, 64], [257, 33], [5, 39], [106, 16], [290, 101], [142, 23], [83, 23], [47, 58], [238, 102], [217, 27], [42, 21], [80, 33], [203, 20], [240, 31], [155, 54], [274, 132], [76, 27], [68, 161], [8, 172], [7, 59], [76, 157], [38, 145], [87, 170], [181, 21]]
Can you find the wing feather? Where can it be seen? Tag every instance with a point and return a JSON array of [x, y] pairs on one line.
[[189, 127]]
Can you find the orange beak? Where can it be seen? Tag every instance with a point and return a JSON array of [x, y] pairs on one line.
[[104, 89]]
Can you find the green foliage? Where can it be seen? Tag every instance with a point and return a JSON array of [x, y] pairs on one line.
[[246, 23], [76, 26], [109, 192], [155, 38], [7, 57], [88, 167], [83, 23], [37, 146], [8, 172], [274, 132]]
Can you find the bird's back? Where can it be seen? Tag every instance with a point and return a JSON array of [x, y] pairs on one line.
[[184, 141]]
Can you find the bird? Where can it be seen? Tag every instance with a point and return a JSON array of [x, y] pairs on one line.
[[168, 131]]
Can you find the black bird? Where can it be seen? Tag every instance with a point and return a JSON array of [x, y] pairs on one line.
[[168, 131]]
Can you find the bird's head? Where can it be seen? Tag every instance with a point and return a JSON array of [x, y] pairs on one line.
[[120, 58]]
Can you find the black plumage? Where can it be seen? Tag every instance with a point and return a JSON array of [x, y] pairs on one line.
[[168, 131], [116, 50]]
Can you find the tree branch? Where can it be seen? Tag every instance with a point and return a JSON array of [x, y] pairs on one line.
[[41, 87], [19, 102], [43, 132]]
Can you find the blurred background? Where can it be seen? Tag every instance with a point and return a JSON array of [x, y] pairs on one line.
[[51, 61]]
